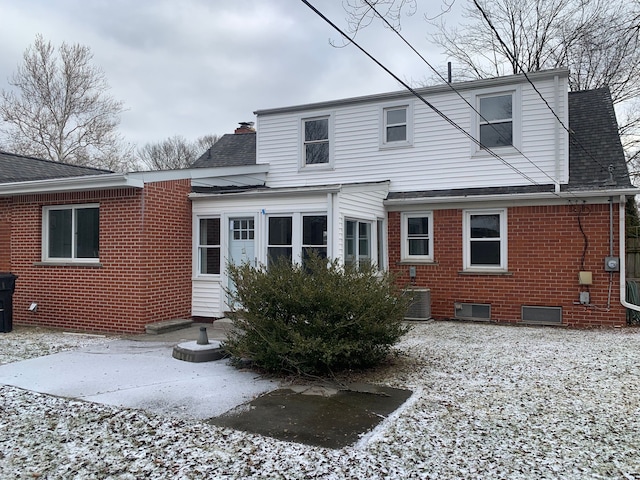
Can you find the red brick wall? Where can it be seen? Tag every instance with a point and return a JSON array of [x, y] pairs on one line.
[[167, 249], [544, 258], [138, 230], [5, 235]]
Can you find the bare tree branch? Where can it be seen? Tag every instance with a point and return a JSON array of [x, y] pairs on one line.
[[175, 152], [58, 108]]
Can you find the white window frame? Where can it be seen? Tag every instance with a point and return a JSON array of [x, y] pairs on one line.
[[303, 165], [373, 245], [45, 233], [384, 143], [199, 246], [404, 232], [466, 235], [297, 231], [516, 120]]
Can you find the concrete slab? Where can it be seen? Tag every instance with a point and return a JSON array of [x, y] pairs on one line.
[[139, 374], [316, 415]]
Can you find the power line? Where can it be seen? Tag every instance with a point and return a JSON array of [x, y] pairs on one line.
[[420, 97], [383, 18], [513, 58]]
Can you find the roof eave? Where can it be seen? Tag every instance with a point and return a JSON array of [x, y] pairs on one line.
[[70, 184], [567, 195]]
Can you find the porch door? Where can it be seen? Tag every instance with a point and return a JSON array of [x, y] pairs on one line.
[[241, 242]]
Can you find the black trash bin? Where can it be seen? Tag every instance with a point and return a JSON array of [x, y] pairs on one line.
[[7, 287]]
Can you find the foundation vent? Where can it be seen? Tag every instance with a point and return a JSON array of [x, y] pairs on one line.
[[542, 315], [472, 311]]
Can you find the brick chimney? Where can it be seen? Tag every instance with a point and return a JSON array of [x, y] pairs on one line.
[[245, 127]]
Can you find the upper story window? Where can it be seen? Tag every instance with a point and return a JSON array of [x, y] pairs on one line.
[[496, 120], [417, 236], [316, 141], [71, 233], [209, 246], [485, 239], [396, 126]]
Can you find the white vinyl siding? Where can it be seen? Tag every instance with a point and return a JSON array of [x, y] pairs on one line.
[[439, 152]]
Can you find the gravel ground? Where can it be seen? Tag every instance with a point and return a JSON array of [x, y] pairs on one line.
[[490, 402]]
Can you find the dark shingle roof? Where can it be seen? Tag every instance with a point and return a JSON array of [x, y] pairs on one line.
[[594, 146], [232, 150], [20, 168]]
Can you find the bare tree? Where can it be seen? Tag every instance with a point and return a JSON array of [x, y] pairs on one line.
[[175, 152], [59, 109], [597, 40]]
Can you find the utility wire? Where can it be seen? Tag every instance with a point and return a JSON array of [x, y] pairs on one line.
[[513, 58], [384, 19], [420, 97]]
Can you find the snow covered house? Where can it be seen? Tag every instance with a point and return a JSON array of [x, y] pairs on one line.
[[494, 199], [497, 200]]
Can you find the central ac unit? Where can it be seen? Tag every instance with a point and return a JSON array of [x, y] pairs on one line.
[[420, 305]]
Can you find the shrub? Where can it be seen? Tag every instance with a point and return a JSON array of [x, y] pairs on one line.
[[314, 319]]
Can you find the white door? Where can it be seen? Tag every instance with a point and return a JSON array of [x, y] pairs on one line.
[[241, 242]]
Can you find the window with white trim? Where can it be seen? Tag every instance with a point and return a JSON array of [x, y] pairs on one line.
[[485, 239], [496, 120], [71, 233], [395, 124], [314, 235], [417, 236], [280, 239], [316, 143], [396, 129], [357, 248], [209, 246]]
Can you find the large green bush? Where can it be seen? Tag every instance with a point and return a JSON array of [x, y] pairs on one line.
[[314, 319]]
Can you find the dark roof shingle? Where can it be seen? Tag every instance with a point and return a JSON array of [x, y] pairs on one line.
[[594, 145], [20, 168], [232, 150]]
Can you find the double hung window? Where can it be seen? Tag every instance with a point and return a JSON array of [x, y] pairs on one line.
[[314, 235], [209, 246], [357, 249], [417, 236], [316, 148], [485, 233], [71, 233], [496, 121], [280, 239]]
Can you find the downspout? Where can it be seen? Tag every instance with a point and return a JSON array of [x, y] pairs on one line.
[[623, 275], [556, 137]]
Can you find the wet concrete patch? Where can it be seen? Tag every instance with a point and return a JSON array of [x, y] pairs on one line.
[[320, 416]]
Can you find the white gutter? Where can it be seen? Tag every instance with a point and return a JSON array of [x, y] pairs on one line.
[[571, 195], [71, 184], [124, 180], [623, 275], [328, 189]]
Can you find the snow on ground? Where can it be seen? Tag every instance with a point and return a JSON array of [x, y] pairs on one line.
[[491, 402]]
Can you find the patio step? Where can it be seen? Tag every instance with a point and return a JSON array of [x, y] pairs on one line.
[[167, 326]]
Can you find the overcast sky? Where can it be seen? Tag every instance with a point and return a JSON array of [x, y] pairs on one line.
[[195, 67]]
